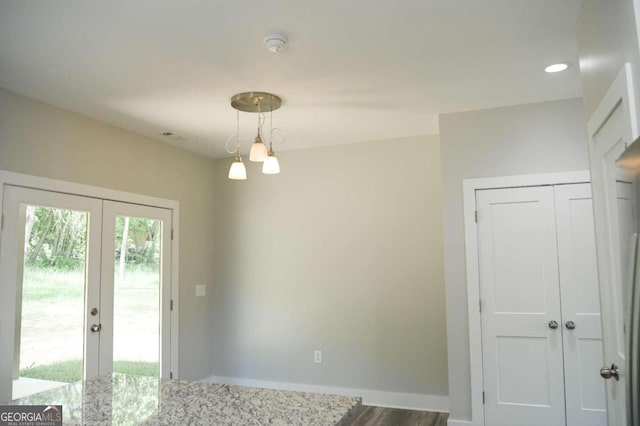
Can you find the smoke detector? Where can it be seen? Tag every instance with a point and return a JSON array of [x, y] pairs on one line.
[[275, 42]]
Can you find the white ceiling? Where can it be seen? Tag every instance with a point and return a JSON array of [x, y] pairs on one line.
[[352, 71]]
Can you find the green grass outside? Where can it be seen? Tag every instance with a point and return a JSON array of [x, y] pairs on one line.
[[60, 287], [48, 284], [71, 370]]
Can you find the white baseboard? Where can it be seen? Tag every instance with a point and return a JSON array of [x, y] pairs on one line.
[[452, 422], [409, 401]]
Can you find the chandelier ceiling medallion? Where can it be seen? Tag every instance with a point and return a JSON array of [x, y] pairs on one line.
[[260, 103]]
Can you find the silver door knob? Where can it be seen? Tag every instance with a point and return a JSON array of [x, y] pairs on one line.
[[570, 325], [96, 327], [609, 372], [553, 325]]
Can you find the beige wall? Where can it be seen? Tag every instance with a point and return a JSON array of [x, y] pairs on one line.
[[341, 252], [526, 139], [42, 140]]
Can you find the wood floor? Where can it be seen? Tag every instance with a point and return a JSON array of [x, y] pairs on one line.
[[378, 416]]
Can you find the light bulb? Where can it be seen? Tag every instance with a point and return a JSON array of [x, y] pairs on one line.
[[238, 171], [258, 150], [271, 166]]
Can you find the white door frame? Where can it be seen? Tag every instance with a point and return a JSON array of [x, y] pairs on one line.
[[469, 188], [54, 185]]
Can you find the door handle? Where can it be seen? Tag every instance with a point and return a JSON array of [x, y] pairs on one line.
[[570, 325], [609, 372], [553, 325], [96, 327]]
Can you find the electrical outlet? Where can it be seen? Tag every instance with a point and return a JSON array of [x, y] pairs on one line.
[[317, 357], [201, 290]]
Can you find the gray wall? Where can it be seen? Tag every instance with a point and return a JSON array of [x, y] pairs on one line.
[[526, 139], [42, 140], [341, 252], [607, 39]]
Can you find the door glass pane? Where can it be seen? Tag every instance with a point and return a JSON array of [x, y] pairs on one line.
[[48, 350], [136, 313]]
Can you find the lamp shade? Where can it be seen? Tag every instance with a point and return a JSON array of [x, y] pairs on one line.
[[271, 166], [258, 151], [237, 171]]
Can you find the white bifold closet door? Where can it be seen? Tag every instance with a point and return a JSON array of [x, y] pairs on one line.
[[580, 301], [541, 334]]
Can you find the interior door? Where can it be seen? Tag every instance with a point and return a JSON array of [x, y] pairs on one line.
[[611, 128], [521, 318], [582, 333], [135, 295], [49, 276]]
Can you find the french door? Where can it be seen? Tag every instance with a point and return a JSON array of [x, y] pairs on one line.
[[84, 290], [134, 300]]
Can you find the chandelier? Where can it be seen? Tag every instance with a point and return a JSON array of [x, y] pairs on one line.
[[259, 103]]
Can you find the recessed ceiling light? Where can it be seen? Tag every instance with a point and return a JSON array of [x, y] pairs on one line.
[[556, 68]]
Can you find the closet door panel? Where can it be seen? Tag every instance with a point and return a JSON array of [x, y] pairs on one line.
[[582, 331], [521, 322]]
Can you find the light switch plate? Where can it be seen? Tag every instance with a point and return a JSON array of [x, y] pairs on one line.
[[201, 290]]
